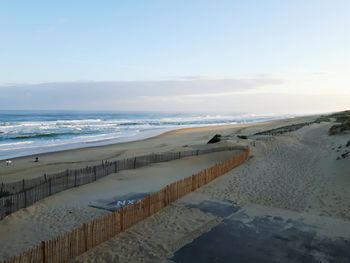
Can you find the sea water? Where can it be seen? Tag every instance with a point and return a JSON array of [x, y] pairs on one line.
[[32, 132]]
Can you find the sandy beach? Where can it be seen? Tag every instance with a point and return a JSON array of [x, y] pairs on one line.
[[176, 140], [294, 178], [175, 132], [294, 174]]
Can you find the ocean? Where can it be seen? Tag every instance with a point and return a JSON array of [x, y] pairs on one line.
[[31, 132]]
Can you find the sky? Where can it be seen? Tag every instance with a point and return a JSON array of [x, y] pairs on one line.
[[268, 56]]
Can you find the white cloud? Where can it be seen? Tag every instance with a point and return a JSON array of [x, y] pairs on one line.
[[262, 94], [82, 95]]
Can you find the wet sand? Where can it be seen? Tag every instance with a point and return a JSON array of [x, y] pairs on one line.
[[183, 139]]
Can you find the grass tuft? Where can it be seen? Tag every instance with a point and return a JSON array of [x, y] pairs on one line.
[[215, 139]]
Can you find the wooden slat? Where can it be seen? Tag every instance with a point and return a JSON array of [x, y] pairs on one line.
[[73, 243]]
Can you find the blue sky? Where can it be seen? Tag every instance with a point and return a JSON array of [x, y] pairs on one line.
[[287, 48]]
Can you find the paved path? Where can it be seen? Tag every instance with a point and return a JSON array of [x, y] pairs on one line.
[[261, 234]]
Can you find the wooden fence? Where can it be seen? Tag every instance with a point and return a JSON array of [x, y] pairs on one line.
[[74, 243], [23, 193]]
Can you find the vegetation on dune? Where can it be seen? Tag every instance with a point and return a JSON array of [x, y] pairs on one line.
[[343, 120], [215, 139], [344, 155], [284, 129], [339, 128], [323, 119]]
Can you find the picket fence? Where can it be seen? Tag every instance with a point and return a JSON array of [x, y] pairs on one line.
[[23, 193], [79, 240]]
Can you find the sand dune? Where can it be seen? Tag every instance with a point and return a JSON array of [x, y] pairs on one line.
[[297, 172]]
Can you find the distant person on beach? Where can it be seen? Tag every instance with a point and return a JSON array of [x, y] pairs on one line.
[[8, 162], [36, 159]]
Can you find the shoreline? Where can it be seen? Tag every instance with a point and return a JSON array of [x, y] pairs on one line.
[[39, 134], [80, 145], [148, 134], [173, 140], [164, 132], [145, 135]]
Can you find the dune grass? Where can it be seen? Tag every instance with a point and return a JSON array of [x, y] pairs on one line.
[[343, 122]]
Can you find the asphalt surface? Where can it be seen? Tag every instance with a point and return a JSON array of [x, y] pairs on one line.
[[264, 238]]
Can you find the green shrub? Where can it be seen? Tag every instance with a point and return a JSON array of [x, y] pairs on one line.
[[339, 128], [343, 120], [215, 139]]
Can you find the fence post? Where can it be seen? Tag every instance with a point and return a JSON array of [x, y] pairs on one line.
[[167, 195], [85, 237], [67, 176], [25, 198], [43, 251], [50, 179], [122, 227], [95, 173], [23, 185], [149, 205], [134, 162]]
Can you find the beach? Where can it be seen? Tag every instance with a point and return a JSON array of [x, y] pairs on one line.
[[175, 132], [294, 174], [294, 178], [176, 140], [52, 162], [24, 133]]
